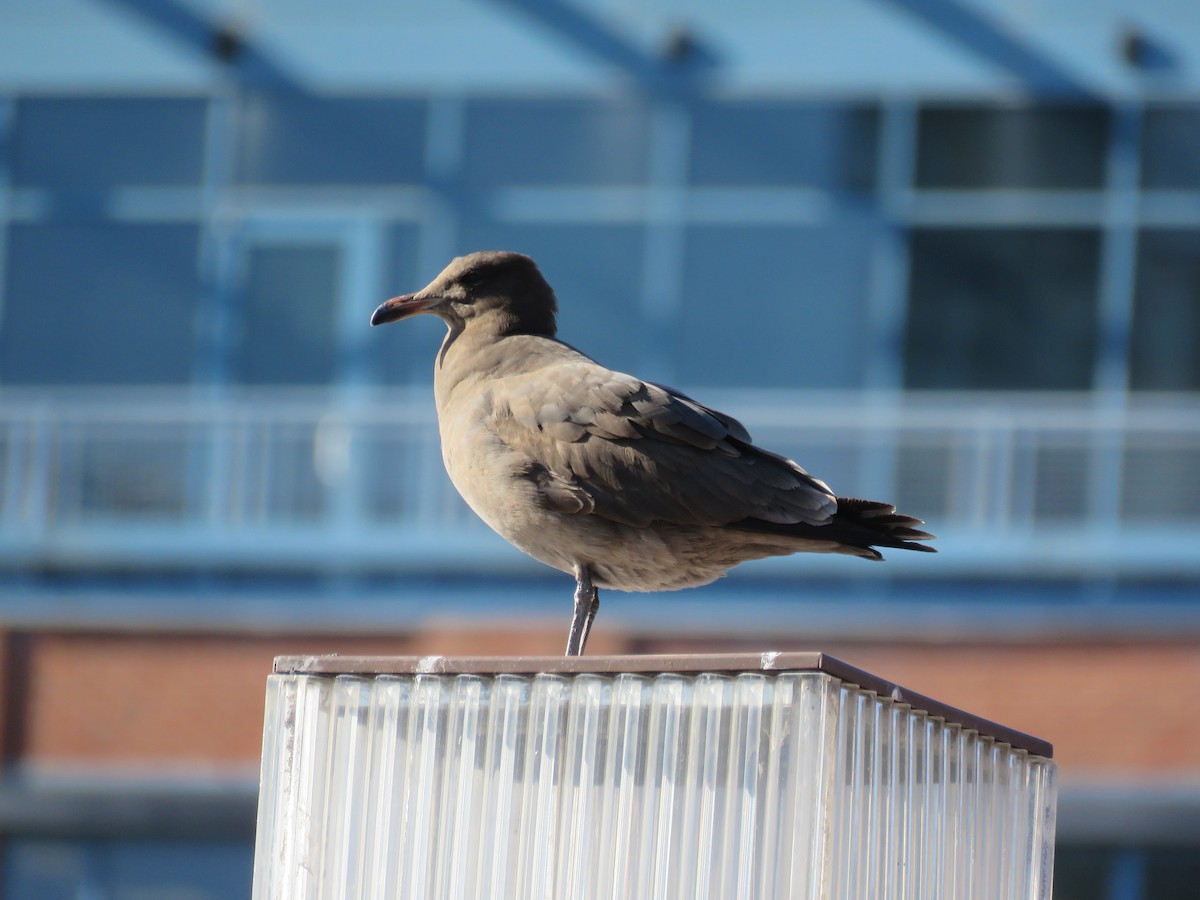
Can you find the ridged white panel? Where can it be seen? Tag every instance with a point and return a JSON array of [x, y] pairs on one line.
[[632, 787]]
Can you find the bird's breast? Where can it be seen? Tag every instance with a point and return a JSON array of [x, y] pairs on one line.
[[488, 473]]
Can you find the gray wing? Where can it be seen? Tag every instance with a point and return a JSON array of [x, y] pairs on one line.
[[599, 442]]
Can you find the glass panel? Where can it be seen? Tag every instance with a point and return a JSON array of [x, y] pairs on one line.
[[288, 331], [779, 306], [287, 139], [1060, 147], [1171, 147], [596, 272], [1165, 351], [99, 303], [1002, 309], [784, 143], [95, 142], [556, 141]]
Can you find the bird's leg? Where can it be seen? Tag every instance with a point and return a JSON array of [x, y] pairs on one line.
[[587, 601], [593, 608]]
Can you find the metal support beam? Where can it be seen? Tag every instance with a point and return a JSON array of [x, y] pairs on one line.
[[990, 40], [673, 72], [221, 43]]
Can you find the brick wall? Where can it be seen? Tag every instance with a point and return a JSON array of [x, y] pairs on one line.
[[159, 699]]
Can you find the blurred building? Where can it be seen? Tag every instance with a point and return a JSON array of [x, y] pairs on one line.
[[943, 253]]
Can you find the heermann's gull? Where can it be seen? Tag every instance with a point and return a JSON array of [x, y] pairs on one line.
[[624, 483]]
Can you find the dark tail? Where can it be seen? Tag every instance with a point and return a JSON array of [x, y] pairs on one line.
[[863, 525], [859, 526]]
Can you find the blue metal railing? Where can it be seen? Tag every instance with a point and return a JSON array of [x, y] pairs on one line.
[[1053, 484]]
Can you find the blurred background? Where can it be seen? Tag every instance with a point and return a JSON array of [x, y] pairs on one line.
[[942, 252]]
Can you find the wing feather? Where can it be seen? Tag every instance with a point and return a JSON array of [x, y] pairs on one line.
[[598, 442]]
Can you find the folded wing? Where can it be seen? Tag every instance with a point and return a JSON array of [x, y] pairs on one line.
[[602, 443]]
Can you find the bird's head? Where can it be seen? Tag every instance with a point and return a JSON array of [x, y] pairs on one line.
[[503, 288]]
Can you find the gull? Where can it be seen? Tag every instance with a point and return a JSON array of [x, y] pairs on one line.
[[623, 483]]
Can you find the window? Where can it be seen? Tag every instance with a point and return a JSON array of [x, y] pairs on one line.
[[748, 143], [1086, 872], [556, 142], [1170, 138], [1002, 309], [64, 869], [1044, 147], [1081, 872], [1165, 344], [99, 303], [98, 142], [290, 139], [1172, 873], [288, 331], [777, 306]]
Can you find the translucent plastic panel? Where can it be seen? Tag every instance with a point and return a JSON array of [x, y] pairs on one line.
[[631, 786]]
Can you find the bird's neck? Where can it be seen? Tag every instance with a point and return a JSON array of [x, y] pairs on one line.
[[474, 350], [466, 350]]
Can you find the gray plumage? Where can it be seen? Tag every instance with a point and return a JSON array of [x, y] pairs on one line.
[[624, 483]]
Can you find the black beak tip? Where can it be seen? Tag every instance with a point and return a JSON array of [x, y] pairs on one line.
[[388, 312]]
